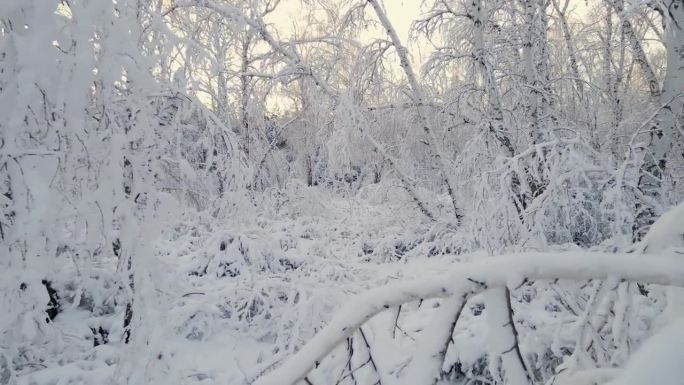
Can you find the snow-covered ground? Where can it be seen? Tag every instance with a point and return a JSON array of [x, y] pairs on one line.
[[227, 301]]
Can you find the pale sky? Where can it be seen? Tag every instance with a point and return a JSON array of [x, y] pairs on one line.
[[400, 12]]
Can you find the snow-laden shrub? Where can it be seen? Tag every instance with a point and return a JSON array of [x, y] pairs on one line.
[[549, 194]]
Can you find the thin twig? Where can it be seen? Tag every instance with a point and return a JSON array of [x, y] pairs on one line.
[[516, 345]]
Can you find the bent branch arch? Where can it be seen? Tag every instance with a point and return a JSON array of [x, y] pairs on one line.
[[464, 281]]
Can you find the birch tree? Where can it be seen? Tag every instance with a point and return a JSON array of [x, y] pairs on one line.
[[664, 150]]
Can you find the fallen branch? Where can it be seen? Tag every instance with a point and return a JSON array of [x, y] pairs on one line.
[[494, 272]]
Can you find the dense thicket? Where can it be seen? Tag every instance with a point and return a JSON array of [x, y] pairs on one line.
[[189, 157]]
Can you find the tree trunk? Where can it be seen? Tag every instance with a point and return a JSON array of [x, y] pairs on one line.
[[637, 49], [666, 126], [419, 99], [244, 91]]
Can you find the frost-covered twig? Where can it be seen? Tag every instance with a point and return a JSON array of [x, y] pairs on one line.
[[371, 360], [450, 340]]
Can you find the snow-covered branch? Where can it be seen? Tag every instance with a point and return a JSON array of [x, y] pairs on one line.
[[470, 278]]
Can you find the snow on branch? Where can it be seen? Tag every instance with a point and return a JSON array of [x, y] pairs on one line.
[[257, 25], [465, 280]]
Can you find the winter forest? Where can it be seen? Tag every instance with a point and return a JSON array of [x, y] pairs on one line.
[[341, 192]]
